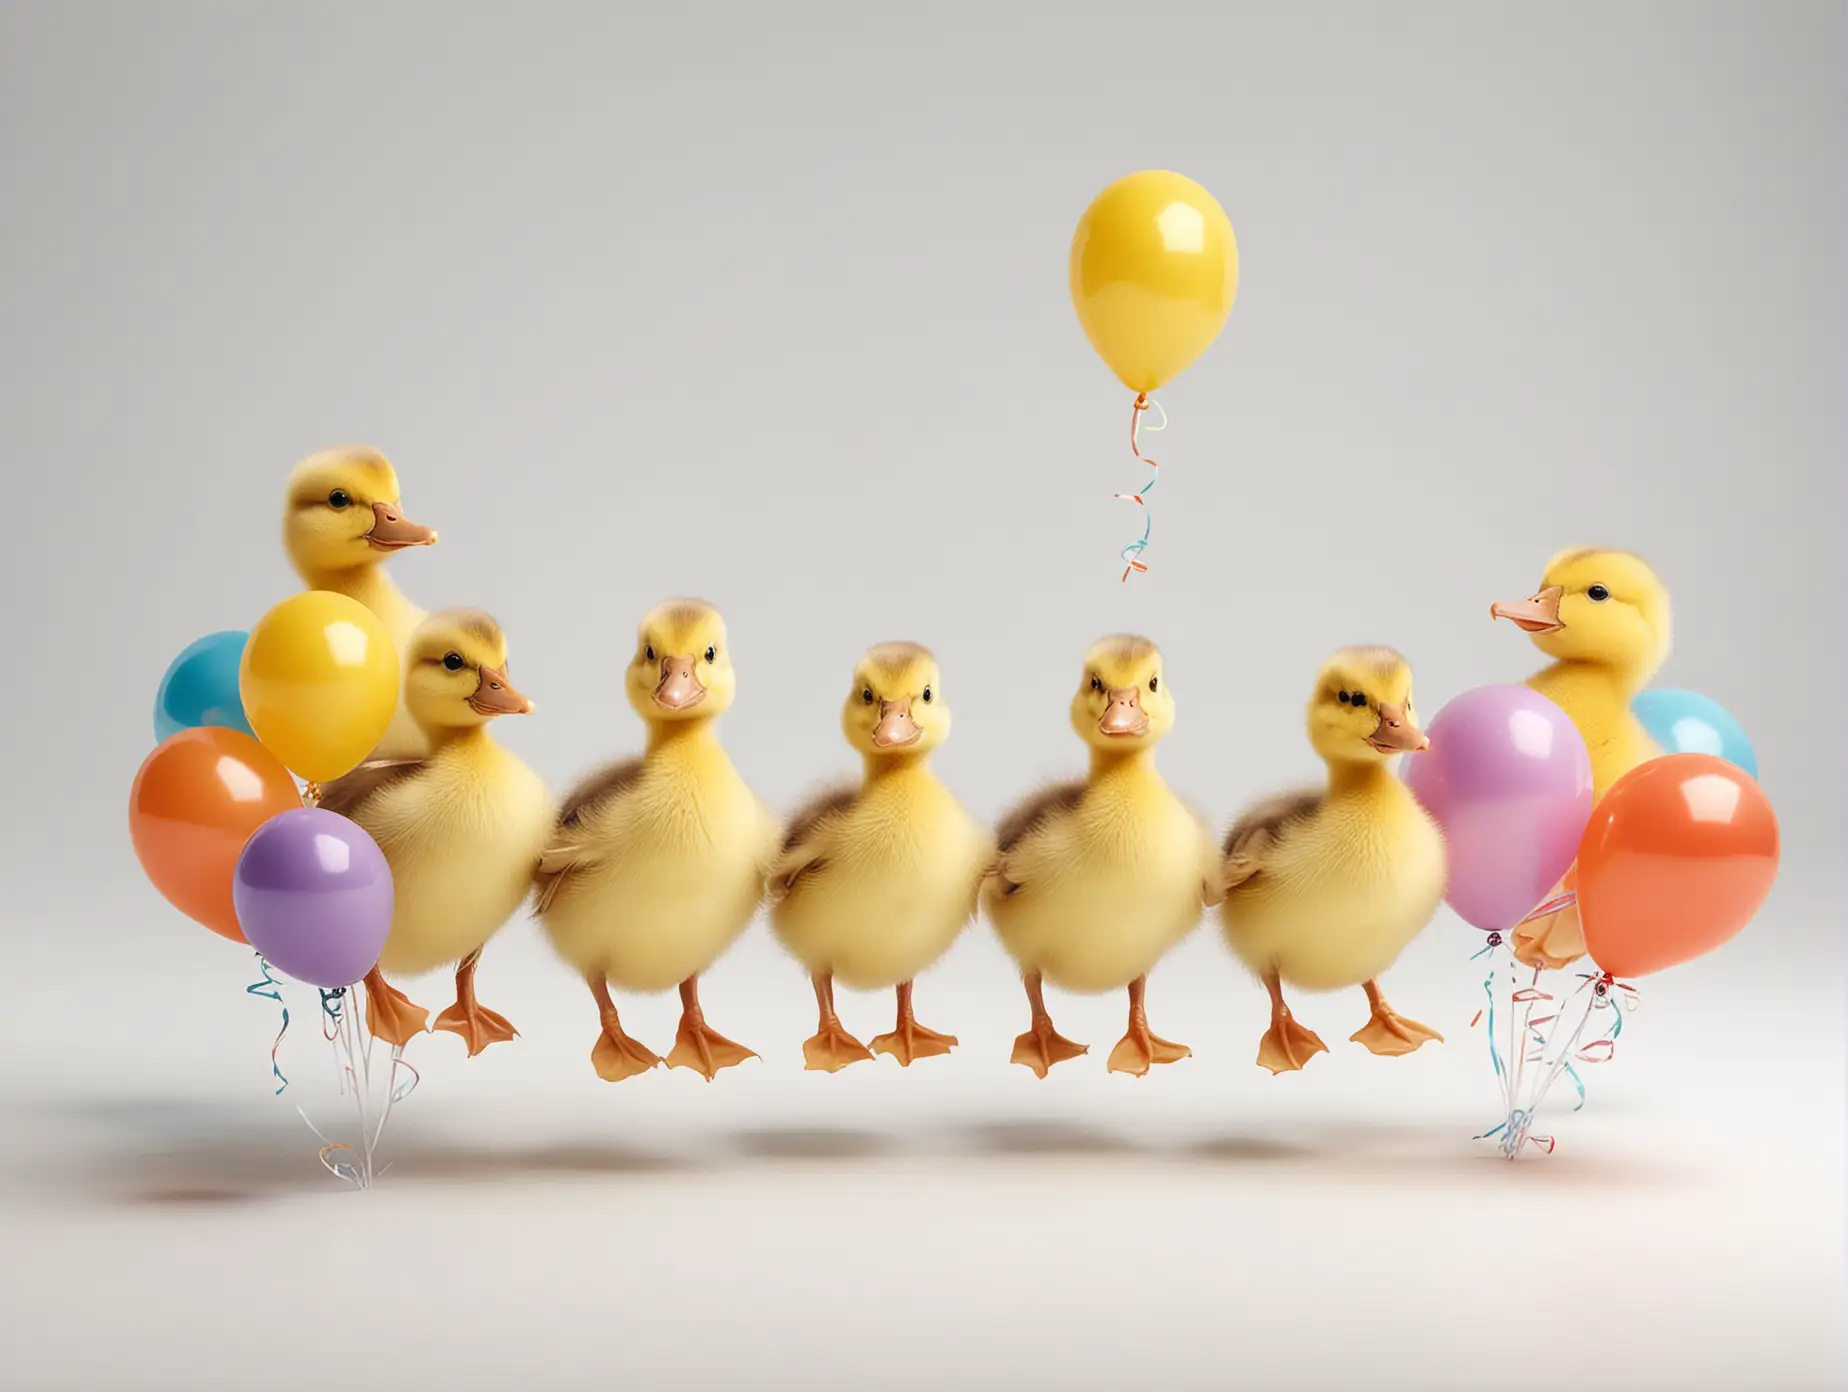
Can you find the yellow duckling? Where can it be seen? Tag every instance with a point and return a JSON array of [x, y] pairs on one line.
[[658, 863], [1095, 880], [461, 828], [875, 882], [343, 520], [1325, 888], [1605, 620]]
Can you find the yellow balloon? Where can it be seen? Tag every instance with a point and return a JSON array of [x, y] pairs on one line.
[[1154, 272], [319, 680]]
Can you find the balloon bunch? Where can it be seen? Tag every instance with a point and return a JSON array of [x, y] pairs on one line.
[[1669, 864], [228, 838], [1154, 271]]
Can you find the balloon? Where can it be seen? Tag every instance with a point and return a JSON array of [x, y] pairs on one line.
[[1685, 722], [200, 687], [1508, 779], [319, 680], [1679, 854], [314, 896], [195, 802], [1154, 271]]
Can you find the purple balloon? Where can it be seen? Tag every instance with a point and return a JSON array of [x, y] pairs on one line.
[[313, 895], [1508, 779]]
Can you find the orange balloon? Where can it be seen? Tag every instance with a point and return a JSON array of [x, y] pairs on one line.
[[1679, 854], [195, 802]]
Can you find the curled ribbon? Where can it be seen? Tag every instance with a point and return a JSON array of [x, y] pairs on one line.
[[1132, 553], [269, 988], [1514, 1134]]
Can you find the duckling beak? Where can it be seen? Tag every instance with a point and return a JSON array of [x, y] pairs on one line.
[[1539, 614], [495, 695], [680, 687], [1396, 734], [393, 531], [896, 728], [1123, 714]]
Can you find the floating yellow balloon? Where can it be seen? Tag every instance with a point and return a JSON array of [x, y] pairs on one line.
[[1154, 272], [319, 679]]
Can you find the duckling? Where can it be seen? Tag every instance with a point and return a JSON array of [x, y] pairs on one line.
[[461, 828], [1095, 880], [874, 883], [342, 521], [1324, 888], [1605, 619], [658, 863]]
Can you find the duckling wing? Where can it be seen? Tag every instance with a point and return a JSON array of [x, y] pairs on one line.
[[1018, 827], [566, 850], [1262, 828], [351, 793], [804, 848]]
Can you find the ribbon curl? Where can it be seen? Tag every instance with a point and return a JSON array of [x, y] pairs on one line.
[[1131, 554], [269, 988]]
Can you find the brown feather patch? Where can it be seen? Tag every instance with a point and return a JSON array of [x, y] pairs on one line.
[[817, 809], [1269, 818], [1023, 819], [350, 792], [598, 788]]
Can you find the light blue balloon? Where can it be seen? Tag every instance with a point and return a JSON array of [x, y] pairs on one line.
[[200, 687], [1685, 722]]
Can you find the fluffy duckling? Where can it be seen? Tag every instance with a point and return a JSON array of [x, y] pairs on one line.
[[1325, 888], [875, 882], [1095, 880], [658, 863], [1605, 620], [343, 520], [461, 828]]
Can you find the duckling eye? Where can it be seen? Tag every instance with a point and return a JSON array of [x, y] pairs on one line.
[[1358, 700], [1343, 697], [712, 654], [1154, 683], [649, 650], [927, 695], [1097, 683], [453, 661], [1597, 594], [339, 499], [866, 695]]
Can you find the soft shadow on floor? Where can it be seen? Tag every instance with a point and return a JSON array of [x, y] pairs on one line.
[[813, 1143], [1045, 1138]]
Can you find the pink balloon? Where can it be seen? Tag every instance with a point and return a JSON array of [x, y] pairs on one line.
[[1508, 779]]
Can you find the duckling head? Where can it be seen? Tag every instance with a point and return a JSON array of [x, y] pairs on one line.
[[1123, 703], [682, 668], [455, 676], [1598, 606], [343, 513], [1361, 712], [895, 706]]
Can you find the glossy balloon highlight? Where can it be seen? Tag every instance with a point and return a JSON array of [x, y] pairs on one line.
[[319, 681], [314, 896]]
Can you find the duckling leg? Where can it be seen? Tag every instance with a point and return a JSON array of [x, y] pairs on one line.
[[1042, 1046], [832, 1048], [1389, 1032], [616, 1056], [696, 1044], [1140, 1047], [1286, 1045], [909, 1040], [478, 1026], [390, 1014], [1554, 941]]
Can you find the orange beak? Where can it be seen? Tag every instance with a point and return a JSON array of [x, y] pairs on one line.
[[1124, 716], [896, 729], [1540, 614], [680, 687], [495, 695], [393, 531], [1396, 734]]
